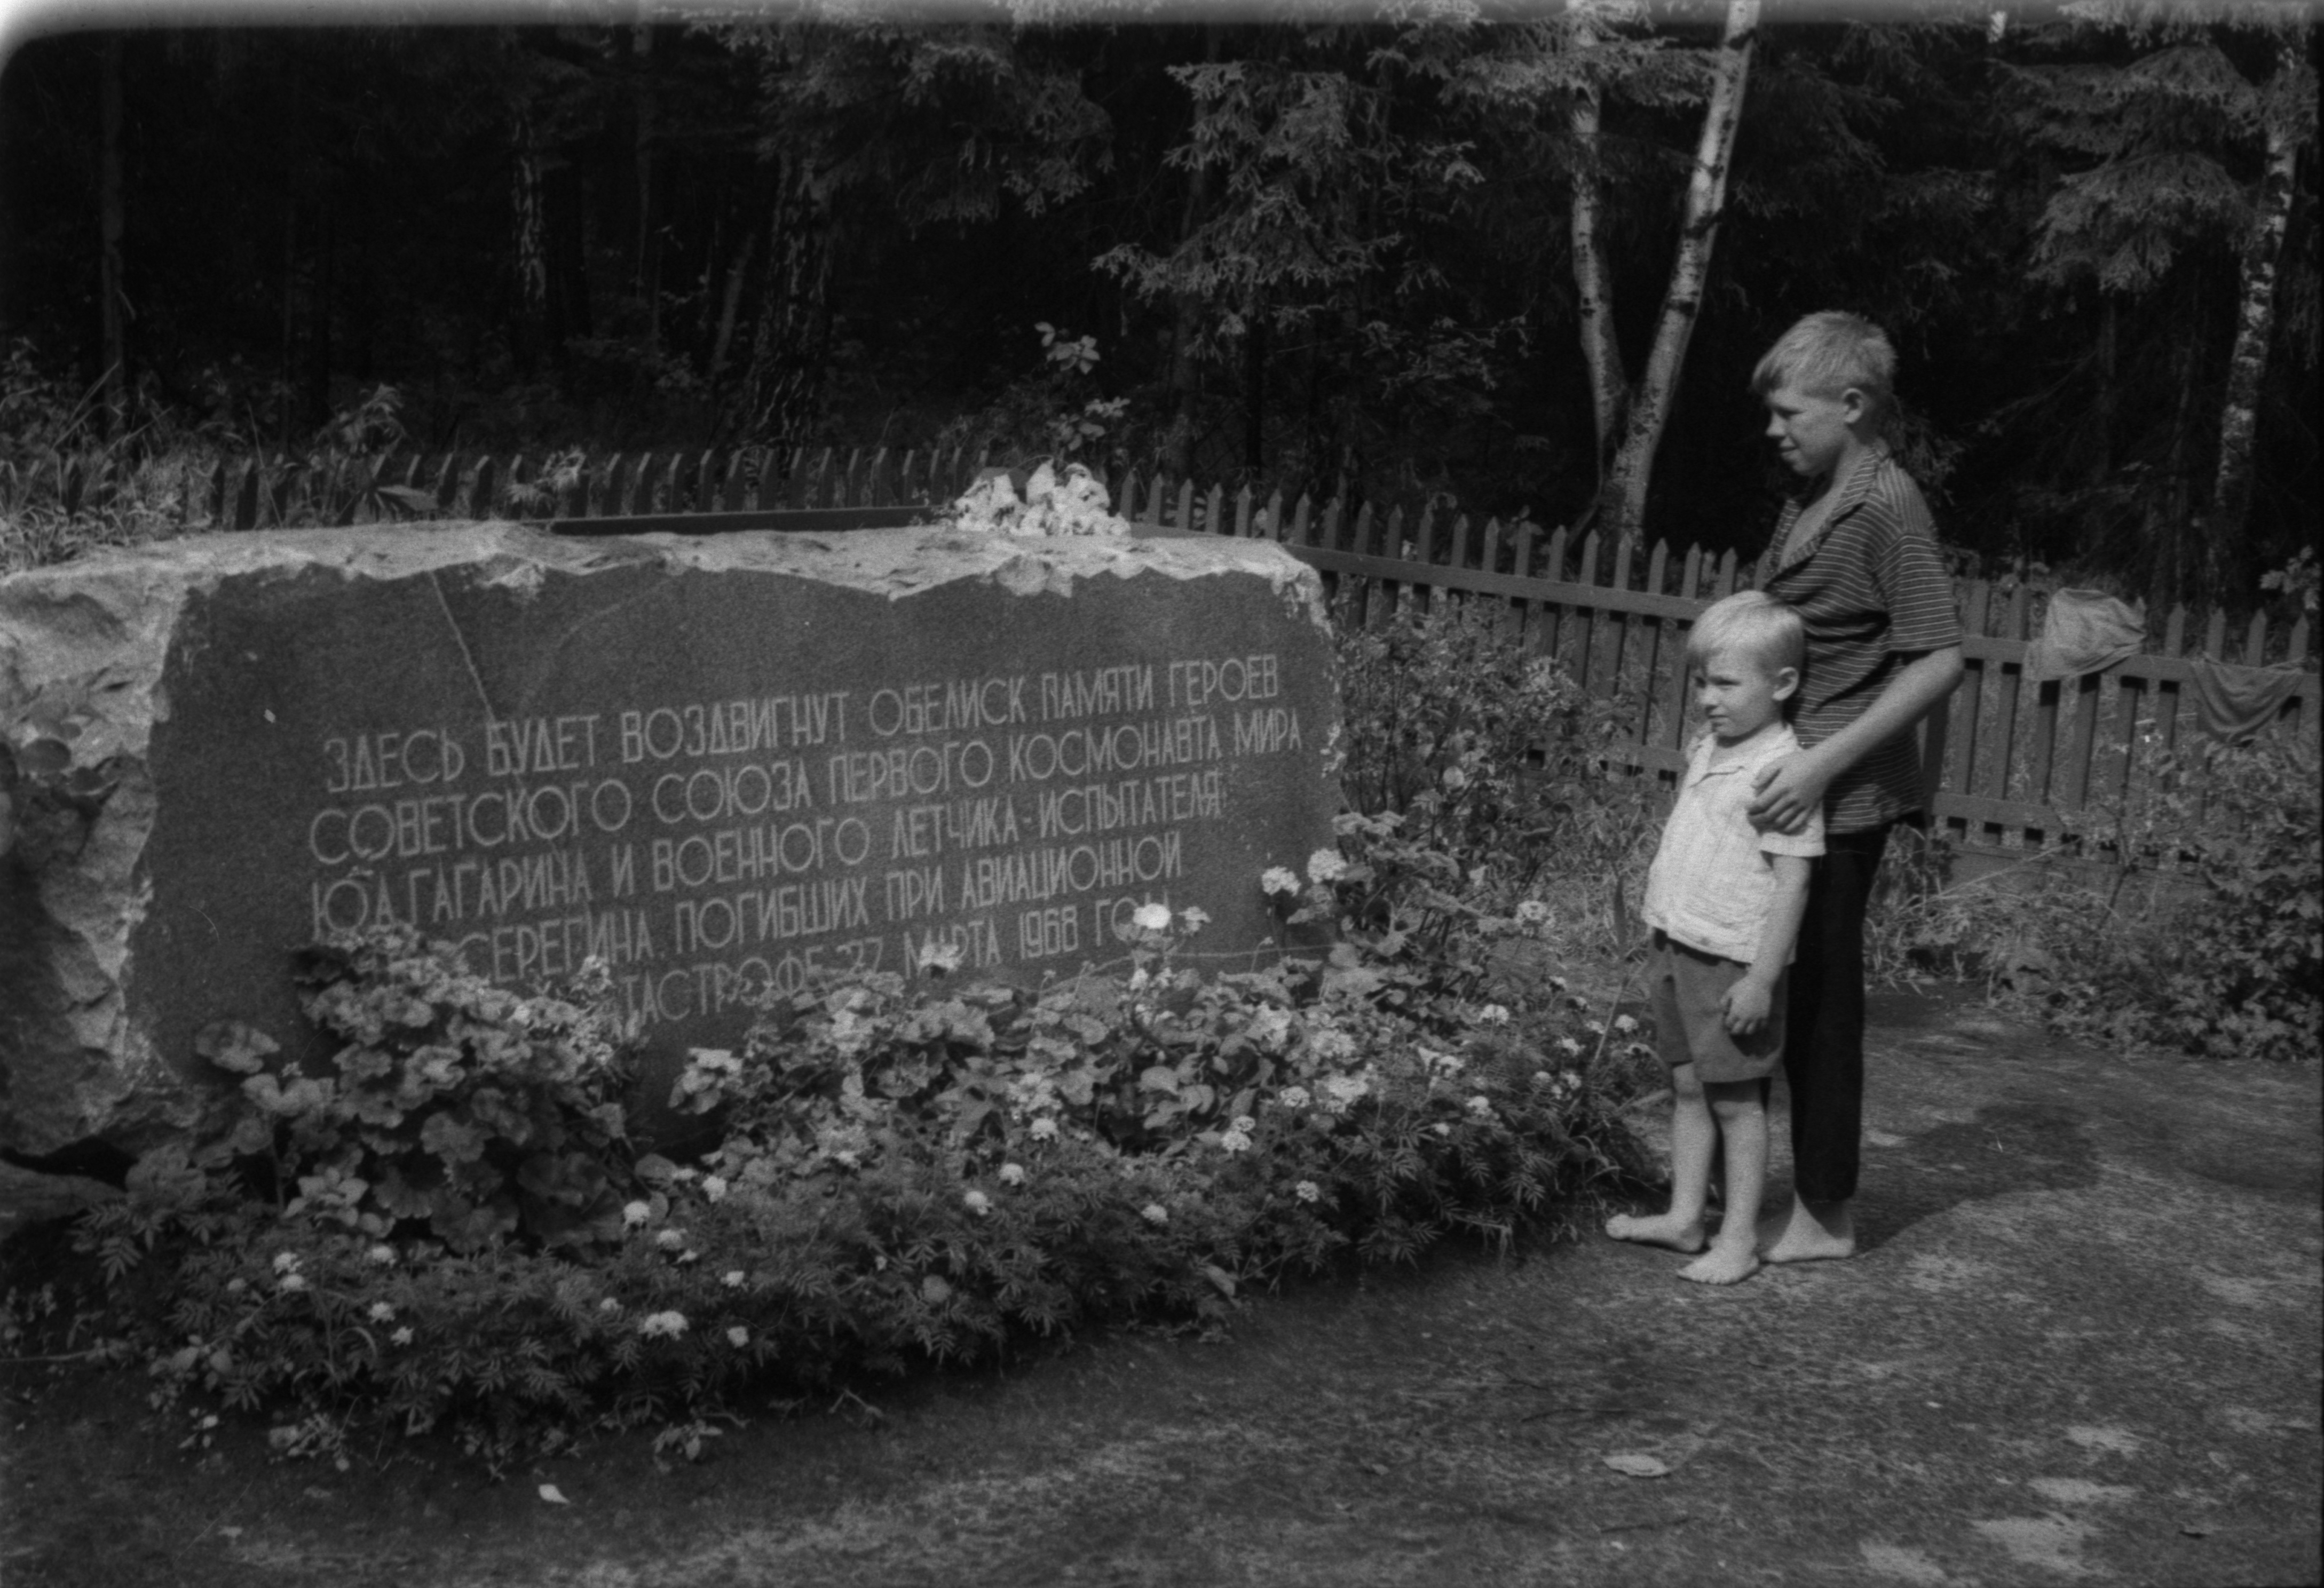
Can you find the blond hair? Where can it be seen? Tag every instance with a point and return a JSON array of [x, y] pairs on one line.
[[1827, 353], [1754, 623]]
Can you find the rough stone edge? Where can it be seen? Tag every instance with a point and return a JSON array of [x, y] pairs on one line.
[[124, 607]]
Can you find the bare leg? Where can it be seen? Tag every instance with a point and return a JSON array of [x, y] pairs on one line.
[[1808, 1232], [1693, 1135], [1742, 1122]]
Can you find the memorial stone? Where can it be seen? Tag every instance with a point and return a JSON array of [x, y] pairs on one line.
[[715, 764]]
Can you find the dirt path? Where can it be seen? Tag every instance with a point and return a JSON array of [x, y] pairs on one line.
[[2081, 1346]]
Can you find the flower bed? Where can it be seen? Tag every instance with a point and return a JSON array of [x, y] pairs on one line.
[[453, 1230]]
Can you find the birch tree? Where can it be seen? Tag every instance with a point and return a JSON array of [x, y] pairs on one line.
[[1622, 498], [2289, 115]]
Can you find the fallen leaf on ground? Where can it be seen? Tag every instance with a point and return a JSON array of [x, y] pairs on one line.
[[548, 1491], [1631, 1464]]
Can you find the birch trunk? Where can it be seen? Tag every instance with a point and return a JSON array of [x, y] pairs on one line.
[[1624, 492], [1610, 385], [2255, 326]]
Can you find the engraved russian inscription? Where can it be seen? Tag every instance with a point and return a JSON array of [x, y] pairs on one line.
[[708, 850]]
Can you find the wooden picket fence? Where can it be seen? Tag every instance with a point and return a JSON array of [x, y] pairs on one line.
[[2017, 766]]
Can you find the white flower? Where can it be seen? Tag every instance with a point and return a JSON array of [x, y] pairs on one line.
[[1043, 1128], [380, 1255], [1235, 1140], [1342, 1091], [285, 1261], [1245, 1124], [1492, 1015], [1293, 1097], [1155, 1213], [1441, 1128], [401, 1337], [1454, 778], [732, 1278], [1139, 978], [738, 1336], [236, 1287], [609, 1306], [1567, 1078], [1151, 918], [1541, 1078], [669, 1240], [1569, 1044], [938, 958], [713, 1187], [1444, 1064], [634, 1214], [1279, 879], [847, 1157], [294, 1281], [1325, 865], [1533, 913], [1624, 1024], [381, 1312], [978, 1203], [1331, 1045], [1013, 1174], [671, 1325], [1193, 918], [1308, 1190], [1480, 1105]]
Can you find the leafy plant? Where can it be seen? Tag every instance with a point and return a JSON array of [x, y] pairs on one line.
[[451, 1230], [2199, 932]]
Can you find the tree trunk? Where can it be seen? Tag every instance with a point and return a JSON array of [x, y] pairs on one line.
[[1254, 371], [2255, 326], [110, 218], [532, 238], [1186, 312], [646, 278], [786, 352], [1610, 385], [2102, 406], [1706, 203]]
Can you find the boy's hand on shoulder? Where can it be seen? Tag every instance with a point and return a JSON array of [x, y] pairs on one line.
[[1747, 1005], [1788, 793]]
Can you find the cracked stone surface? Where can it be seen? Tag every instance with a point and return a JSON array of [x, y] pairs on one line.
[[711, 761]]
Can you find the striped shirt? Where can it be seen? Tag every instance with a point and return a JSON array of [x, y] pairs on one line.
[[1873, 592]]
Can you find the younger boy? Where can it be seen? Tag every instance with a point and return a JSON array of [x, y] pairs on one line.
[[1724, 898]]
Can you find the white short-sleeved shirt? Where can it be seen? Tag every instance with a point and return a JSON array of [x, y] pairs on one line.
[[1714, 880]]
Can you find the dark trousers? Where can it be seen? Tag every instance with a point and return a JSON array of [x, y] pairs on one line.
[[1823, 1048]]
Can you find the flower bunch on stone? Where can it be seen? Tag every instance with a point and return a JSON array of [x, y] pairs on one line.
[[1075, 504]]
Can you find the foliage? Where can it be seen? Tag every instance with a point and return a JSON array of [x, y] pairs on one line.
[[1495, 757], [452, 1232], [2204, 933]]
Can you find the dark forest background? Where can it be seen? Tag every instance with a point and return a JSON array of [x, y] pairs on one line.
[[1331, 256]]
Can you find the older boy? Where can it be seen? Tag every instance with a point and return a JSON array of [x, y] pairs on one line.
[[1856, 556], [1724, 898]]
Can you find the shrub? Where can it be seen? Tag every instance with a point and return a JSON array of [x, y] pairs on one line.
[[2203, 935], [1497, 758], [450, 1230]]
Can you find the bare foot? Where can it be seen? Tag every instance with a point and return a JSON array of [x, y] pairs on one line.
[[1805, 1234], [1722, 1265], [1669, 1230]]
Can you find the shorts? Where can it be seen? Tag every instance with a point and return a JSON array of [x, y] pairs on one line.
[[1684, 986]]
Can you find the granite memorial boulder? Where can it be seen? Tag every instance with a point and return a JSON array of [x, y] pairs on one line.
[[712, 762]]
